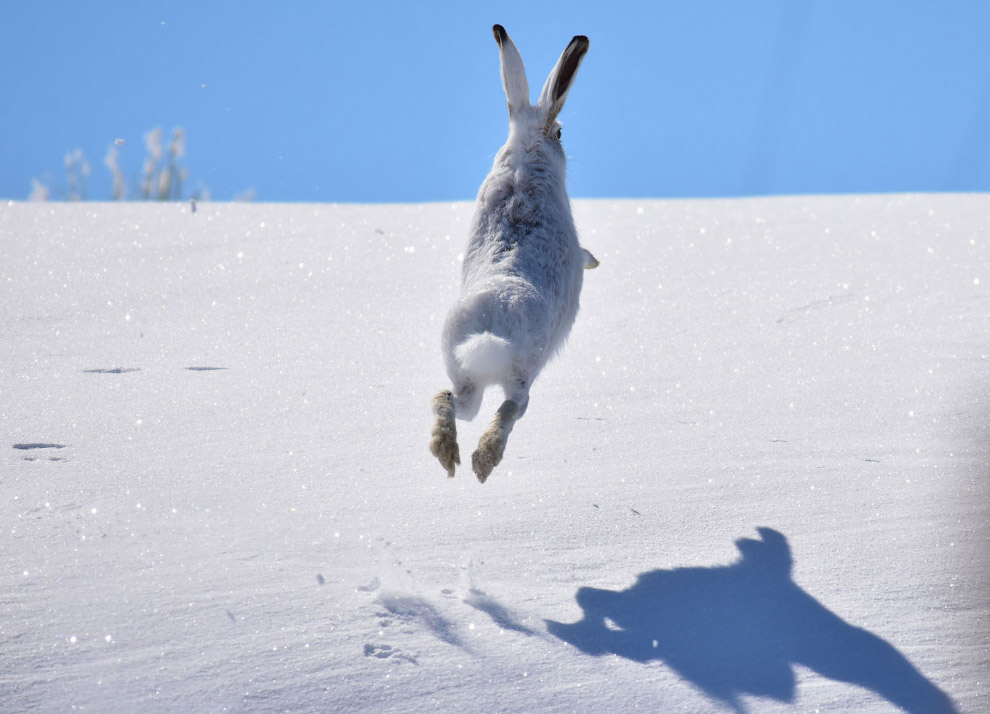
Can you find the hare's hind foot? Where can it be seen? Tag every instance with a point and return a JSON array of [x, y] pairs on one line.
[[443, 443], [491, 447]]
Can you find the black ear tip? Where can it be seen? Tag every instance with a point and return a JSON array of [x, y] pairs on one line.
[[500, 33], [581, 41]]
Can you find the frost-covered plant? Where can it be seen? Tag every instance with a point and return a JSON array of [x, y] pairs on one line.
[[77, 173], [159, 181], [153, 145], [112, 162], [171, 176], [164, 183], [39, 191]]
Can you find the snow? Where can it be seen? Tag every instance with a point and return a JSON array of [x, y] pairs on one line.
[[217, 494]]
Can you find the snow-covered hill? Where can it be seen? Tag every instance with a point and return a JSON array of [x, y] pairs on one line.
[[755, 480]]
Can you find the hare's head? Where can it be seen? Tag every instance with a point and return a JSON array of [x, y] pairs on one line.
[[529, 123]]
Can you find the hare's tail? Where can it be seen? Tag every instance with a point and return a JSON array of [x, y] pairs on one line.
[[485, 357]]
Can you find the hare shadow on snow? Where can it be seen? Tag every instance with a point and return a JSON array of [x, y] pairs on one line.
[[738, 629]]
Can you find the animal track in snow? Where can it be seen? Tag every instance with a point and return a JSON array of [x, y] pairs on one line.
[[39, 445], [129, 370], [370, 587], [414, 610], [797, 313], [384, 651]]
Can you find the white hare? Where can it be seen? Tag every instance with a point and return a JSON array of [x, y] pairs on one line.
[[522, 269]]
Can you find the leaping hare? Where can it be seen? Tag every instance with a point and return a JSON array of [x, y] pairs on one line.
[[522, 270]]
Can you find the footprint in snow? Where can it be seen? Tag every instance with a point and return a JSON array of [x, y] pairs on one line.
[[39, 445], [129, 370], [416, 611], [384, 651], [370, 587]]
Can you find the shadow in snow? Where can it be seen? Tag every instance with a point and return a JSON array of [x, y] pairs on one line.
[[416, 609], [494, 609], [112, 370], [738, 629]]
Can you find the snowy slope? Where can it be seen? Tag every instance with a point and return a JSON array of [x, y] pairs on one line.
[[217, 495]]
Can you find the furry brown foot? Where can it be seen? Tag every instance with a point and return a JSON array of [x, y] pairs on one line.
[[443, 443], [491, 447]]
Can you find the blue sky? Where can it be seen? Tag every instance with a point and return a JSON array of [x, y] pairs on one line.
[[402, 102]]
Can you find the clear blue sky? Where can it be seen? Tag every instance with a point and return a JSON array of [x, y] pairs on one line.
[[402, 101]]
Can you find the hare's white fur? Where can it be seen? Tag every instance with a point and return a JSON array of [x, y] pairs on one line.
[[522, 270]]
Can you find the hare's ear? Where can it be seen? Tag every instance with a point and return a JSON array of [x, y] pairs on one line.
[[560, 79], [513, 72]]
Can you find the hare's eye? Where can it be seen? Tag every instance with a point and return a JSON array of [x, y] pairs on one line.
[[558, 133]]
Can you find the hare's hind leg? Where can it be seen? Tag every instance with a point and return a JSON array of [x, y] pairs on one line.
[[443, 441], [491, 447], [446, 405]]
